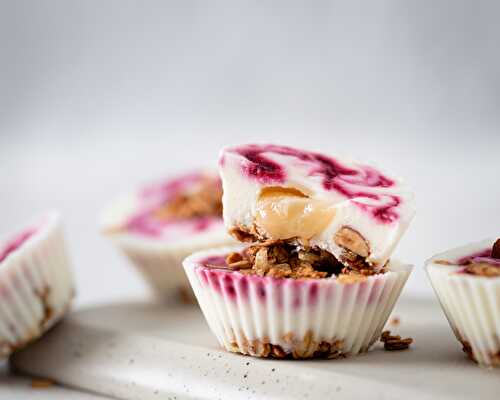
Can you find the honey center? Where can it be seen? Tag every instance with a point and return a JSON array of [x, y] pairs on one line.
[[284, 213]]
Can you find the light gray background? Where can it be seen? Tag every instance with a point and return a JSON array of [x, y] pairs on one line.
[[98, 96]]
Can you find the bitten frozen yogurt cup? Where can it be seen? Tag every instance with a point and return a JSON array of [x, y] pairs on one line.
[[266, 316], [161, 224], [36, 283], [353, 210], [467, 283]]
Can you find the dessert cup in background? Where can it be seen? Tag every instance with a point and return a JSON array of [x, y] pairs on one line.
[[159, 225], [36, 283], [265, 316], [466, 281]]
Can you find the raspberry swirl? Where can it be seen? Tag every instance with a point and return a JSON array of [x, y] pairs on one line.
[[16, 243], [159, 215], [367, 187]]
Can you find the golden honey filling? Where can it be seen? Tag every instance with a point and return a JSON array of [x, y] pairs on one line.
[[284, 213]]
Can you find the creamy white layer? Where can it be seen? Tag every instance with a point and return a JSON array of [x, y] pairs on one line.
[[284, 192]]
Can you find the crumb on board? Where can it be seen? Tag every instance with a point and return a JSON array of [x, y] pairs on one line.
[[40, 383], [395, 342]]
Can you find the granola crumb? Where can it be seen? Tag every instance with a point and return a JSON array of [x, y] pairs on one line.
[[285, 259], [241, 235], [186, 296], [443, 262], [482, 269], [354, 261], [394, 342], [290, 259], [300, 349], [204, 202], [233, 257], [467, 349], [41, 383], [350, 278]]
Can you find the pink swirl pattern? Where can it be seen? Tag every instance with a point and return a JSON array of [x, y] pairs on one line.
[[482, 256], [213, 271], [16, 243], [347, 181], [152, 197]]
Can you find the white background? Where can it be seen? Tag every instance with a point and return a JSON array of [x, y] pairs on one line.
[[97, 97]]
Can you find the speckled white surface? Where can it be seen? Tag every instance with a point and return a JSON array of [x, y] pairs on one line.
[[139, 350], [19, 388]]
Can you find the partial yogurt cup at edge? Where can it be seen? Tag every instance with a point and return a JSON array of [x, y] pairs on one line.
[[471, 303], [36, 283]]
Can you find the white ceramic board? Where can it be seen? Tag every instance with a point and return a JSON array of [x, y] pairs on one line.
[[140, 350]]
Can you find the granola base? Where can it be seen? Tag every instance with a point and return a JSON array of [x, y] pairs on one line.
[[290, 259], [204, 202], [467, 349], [7, 348], [350, 257], [296, 349]]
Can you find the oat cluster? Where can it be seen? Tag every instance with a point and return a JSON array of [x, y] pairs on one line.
[[486, 269], [483, 269], [294, 258], [480, 268], [304, 348], [288, 259], [204, 202]]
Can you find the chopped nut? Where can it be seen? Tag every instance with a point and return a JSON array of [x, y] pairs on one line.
[[358, 263], [261, 264], [41, 383], [467, 349], [243, 264], [278, 352], [393, 343], [351, 240], [308, 257], [241, 235], [280, 271], [206, 201], [351, 278], [495, 251], [443, 262], [395, 321], [233, 257], [286, 259], [483, 269]]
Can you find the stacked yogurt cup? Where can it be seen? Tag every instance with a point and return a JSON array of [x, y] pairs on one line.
[[314, 278]]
